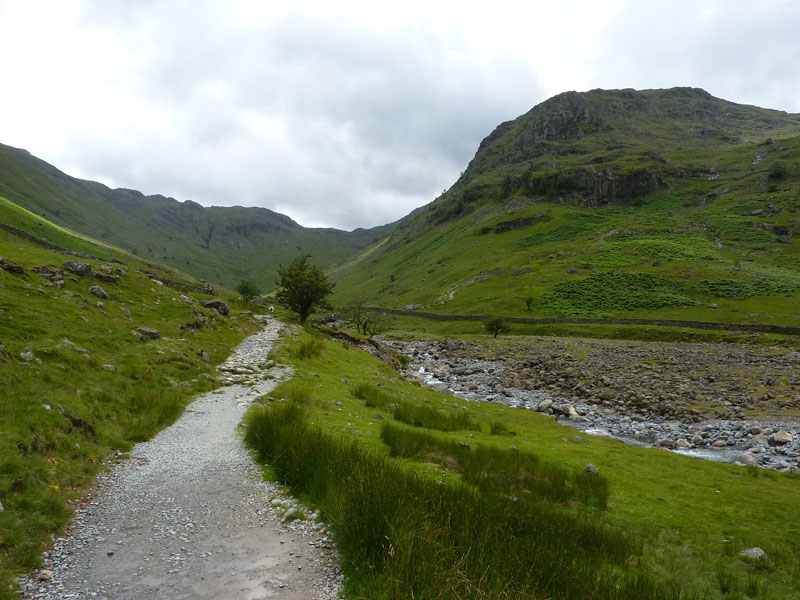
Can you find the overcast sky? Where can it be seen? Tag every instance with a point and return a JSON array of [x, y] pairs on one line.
[[347, 114]]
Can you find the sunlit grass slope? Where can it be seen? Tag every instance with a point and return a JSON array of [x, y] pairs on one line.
[[640, 215]]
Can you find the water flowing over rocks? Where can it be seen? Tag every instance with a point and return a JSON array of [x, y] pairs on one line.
[[687, 398], [188, 515]]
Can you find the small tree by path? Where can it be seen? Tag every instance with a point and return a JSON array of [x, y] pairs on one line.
[[303, 286], [497, 325], [247, 290]]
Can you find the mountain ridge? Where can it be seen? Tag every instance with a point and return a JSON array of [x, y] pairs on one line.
[[666, 204], [221, 244]]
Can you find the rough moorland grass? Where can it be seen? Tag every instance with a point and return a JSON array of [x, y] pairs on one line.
[[404, 536], [76, 384], [413, 413], [612, 293], [425, 416], [693, 516], [510, 473]]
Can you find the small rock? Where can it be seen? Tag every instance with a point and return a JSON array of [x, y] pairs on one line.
[[755, 553], [186, 298], [98, 291], [111, 368], [149, 332], [45, 575], [591, 469]]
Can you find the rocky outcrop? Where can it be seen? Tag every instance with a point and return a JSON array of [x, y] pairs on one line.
[[220, 306]]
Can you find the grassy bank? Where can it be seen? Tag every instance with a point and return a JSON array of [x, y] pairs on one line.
[[411, 503], [78, 380]]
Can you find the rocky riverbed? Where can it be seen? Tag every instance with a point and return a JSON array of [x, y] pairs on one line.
[[698, 399]]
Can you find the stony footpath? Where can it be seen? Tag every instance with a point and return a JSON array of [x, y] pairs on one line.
[[188, 516], [690, 398]]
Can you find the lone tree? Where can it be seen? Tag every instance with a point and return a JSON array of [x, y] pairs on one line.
[[367, 322], [247, 290], [302, 286], [528, 302], [497, 325]]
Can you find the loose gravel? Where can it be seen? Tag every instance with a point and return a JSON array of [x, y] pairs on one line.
[[189, 516]]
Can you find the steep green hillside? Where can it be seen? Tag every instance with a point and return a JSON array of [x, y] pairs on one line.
[[83, 375], [220, 244], [665, 204]]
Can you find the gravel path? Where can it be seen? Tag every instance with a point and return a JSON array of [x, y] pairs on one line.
[[188, 516]]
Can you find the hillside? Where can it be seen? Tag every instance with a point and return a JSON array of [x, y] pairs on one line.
[[222, 245], [98, 350], [661, 204]]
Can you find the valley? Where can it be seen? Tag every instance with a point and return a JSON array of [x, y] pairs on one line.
[[640, 250]]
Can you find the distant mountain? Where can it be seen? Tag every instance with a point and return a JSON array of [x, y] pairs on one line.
[[656, 203], [220, 244]]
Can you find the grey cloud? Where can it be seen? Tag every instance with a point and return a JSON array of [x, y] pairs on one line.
[[377, 122]]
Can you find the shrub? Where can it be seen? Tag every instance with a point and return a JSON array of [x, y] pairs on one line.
[[497, 325], [778, 170]]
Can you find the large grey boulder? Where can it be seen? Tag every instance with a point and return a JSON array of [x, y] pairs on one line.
[[780, 438], [218, 305]]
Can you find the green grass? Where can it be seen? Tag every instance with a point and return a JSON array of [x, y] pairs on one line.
[[78, 385], [679, 520]]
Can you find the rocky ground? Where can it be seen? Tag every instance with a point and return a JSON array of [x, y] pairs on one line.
[[710, 400], [188, 515]]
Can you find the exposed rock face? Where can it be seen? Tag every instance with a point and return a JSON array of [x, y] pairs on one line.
[[217, 305]]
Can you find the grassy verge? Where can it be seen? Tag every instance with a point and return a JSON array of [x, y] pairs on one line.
[[411, 503], [78, 380], [421, 326]]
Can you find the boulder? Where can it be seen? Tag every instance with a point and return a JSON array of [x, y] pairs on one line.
[[79, 268], [697, 440], [187, 299], [217, 305], [98, 291], [108, 278], [746, 459], [149, 332], [666, 443], [591, 470], [780, 438], [544, 405], [755, 553]]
